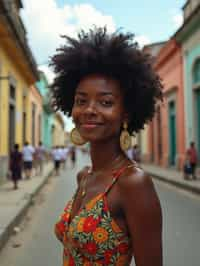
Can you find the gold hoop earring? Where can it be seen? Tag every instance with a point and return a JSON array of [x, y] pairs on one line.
[[76, 137], [125, 138]]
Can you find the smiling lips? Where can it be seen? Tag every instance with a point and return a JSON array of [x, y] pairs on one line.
[[90, 125]]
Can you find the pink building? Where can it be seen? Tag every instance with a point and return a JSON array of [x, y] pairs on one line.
[[166, 133]]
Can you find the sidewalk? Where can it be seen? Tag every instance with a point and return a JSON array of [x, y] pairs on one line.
[[172, 177], [14, 203]]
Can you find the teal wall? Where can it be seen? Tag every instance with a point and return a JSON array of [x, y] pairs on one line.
[[47, 116], [47, 129], [191, 125]]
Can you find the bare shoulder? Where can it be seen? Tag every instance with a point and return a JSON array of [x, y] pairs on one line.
[[83, 172], [141, 206], [136, 185], [134, 178]]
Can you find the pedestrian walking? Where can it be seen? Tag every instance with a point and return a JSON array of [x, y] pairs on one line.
[[57, 158], [39, 157], [136, 153], [73, 155], [130, 153], [65, 152], [16, 165], [111, 92], [28, 153], [192, 158]]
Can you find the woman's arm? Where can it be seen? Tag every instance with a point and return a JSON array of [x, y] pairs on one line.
[[144, 218]]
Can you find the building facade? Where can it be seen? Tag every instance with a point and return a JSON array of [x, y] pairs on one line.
[[47, 113], [189, 38], [17, 72], [58, 130], [145, 138], [36, 116], [169, 121]]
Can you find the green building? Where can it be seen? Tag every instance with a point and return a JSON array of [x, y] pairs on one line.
[[189, 38], [48, 114]]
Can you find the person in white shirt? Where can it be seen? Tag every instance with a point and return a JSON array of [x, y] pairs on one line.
[[28, 152], [65, 151], [57, 158]]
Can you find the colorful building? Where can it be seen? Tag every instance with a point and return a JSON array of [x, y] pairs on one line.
[[47, 114], [168, 124], [17, 72], [36, 115], [58, 134], [188, 36], [142, 139]]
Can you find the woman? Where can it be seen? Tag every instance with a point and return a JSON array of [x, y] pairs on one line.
[[108, 86], [16, 165]]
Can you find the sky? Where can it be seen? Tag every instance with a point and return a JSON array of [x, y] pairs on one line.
[[46, 20]]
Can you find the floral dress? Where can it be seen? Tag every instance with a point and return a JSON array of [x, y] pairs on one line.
[[92, 237]]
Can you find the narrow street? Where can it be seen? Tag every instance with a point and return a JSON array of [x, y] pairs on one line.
[[36, 244]]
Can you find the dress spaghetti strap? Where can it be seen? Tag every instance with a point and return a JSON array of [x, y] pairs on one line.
[[116, 175]]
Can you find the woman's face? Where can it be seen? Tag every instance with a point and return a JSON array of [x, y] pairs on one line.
[[98, 109]]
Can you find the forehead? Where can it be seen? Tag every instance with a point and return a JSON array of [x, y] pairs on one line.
[[99, 84]]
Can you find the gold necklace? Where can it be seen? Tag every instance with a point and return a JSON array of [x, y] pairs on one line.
[[95, 174]]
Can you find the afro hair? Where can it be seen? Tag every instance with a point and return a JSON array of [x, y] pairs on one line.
[[116, 56]]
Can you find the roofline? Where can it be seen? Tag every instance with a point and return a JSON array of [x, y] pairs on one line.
[[153, 44], [25, 47], [186, 21], [20, 3], [186, 3]]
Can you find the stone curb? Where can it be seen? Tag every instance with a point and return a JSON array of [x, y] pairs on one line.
[[183, 185], [8, 230]]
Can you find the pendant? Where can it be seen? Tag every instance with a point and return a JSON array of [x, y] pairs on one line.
[[83, 193]]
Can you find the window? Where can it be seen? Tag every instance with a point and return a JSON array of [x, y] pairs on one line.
[[196, 72]]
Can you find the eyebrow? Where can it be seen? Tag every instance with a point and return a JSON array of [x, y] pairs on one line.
[[102, 93]]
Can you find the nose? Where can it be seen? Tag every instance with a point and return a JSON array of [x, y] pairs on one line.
[[91, 108]]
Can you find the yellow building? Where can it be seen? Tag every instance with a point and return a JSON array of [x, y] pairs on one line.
[[36, 116], [17, 72], [58, 130]]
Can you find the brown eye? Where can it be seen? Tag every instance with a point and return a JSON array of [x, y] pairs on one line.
[[107, 103], [80, 101]]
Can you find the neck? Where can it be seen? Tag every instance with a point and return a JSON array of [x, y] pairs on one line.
[[103, 153]]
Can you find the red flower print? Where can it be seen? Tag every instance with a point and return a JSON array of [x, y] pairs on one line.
[[71, 261], [107, 256], [90, 224], [65, 217], [60, 227], [90, 248], [123, 248]]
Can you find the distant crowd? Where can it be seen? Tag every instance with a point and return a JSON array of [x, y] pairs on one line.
[[30, 160]]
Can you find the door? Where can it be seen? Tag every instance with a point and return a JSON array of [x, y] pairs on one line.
[[11, 127], [198, 119], [172, 133]]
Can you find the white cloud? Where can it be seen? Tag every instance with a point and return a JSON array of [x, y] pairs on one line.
[[45, 22], [176, 18], [49, 74], [142, 40]]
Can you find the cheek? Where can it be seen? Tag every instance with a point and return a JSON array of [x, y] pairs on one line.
[[75, 113], [114, 121]]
